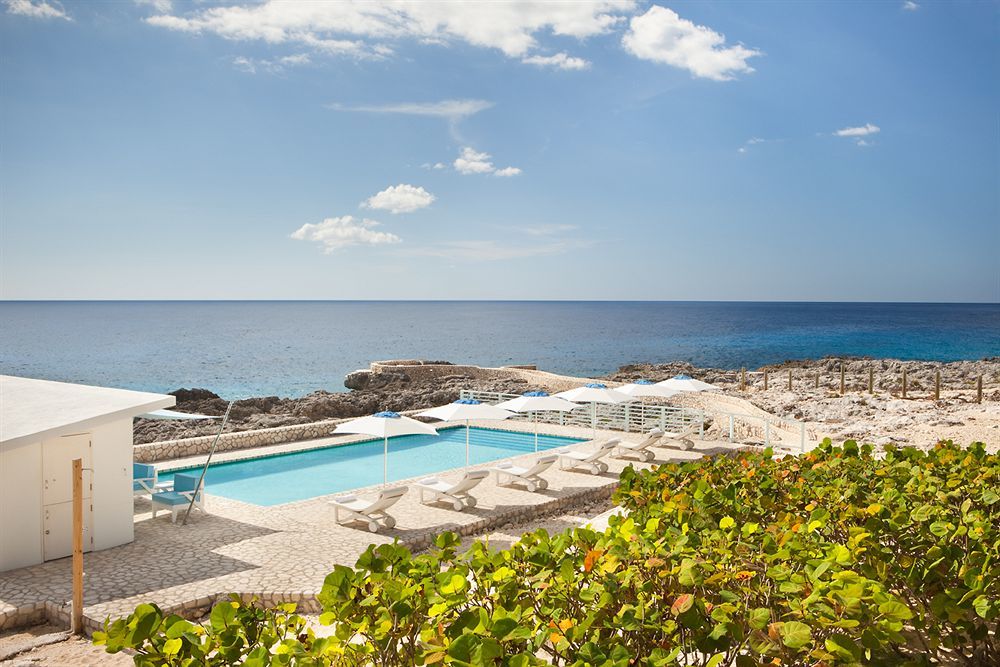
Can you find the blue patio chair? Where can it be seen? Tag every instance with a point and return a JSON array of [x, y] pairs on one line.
[[143, 479], [185, 488]]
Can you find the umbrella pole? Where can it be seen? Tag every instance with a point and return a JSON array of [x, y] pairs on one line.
[[204, 471], [593, 419], [534, 418], [466, 443], [385, 461]]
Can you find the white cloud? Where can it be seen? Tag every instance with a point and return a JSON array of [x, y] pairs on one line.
[[400, 198], [752, 141], [558, 61], [162, 6], [547, 230], [436, 165], [471, 161], [861, 131], [453, 110], [910, 6], [36, 9], [510, 27], [274, 66], [335, 233], [863, 143], [662, 36]]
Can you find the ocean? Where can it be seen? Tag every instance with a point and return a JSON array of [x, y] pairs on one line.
[[289, 348]]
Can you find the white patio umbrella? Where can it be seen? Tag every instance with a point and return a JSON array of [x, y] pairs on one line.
[[595, 393], [686, 383], [466, 408], [385, 425], [643, 388], [535, 402]]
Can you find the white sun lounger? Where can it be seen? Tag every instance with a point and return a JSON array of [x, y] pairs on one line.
[[589, 461], [457, 494], [681, 438], [639, 449], [369, 511], [508, 473]]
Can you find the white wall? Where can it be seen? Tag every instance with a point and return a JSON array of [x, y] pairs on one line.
[[20, 505], [112, 496], [21, 511]]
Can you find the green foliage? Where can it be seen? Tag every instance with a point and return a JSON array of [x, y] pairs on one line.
[[836, 557]]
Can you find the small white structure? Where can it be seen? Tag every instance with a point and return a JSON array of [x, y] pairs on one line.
[[44, 426]]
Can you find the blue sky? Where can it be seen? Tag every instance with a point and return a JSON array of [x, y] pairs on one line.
[[592, 150]]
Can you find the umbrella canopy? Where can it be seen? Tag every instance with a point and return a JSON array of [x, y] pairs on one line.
[[643, 388], [535, 402], [173, 414], [686, 383], [466, 408], [385, 425], [595, 393]]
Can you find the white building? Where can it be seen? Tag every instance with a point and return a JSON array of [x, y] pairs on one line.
[[43, 427]]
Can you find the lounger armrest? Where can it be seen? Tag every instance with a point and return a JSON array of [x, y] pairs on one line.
[[429, 480], [344, 499], [504, 464]]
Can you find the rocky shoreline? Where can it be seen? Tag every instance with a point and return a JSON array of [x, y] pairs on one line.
[[414, 384]]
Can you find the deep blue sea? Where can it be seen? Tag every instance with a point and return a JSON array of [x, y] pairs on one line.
[[289, 348]]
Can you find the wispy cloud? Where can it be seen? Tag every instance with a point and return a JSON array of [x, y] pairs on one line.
[[860, 131], [558, 61], [471, 161], [435, 166], [752, 141], [273, 66], [162, 6], [546, 230], [910, 6], [402, 198], [453, 110], [492, 251], [662, 36], [335, 233], [36, 9]]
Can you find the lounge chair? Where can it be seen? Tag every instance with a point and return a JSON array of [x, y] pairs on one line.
[[143, 479], [508, 473], [368, 511], [640, 449], [680, 438], [589, 461], [457, 494], [185, 488]]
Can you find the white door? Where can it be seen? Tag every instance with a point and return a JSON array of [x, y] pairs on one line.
[[57, 494]]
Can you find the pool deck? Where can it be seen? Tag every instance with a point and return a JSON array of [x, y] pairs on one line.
[[282, 553]]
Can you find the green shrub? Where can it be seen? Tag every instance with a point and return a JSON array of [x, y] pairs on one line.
[[835, 557]]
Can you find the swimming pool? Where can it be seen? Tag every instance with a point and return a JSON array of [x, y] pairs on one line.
[[285, 478]]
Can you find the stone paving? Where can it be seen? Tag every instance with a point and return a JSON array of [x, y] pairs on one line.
[[279, 553]]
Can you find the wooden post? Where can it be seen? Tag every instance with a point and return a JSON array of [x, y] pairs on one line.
[[871, 381], [841, 378], [904, 383], [743, 379], [979, 389], [765, 379], [76, 625], [817, 379], [789, 379], [937, 386]]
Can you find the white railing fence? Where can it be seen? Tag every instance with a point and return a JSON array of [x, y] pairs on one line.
[[636, 417]]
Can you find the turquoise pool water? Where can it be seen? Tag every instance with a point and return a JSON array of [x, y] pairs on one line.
[[285, 478]]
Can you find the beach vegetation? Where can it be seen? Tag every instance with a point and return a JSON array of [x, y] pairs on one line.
[[841, 556]]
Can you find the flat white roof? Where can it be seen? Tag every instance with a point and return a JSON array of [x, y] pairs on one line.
[[33, 410]]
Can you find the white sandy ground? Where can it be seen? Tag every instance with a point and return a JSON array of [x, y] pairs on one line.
[[880, 418]]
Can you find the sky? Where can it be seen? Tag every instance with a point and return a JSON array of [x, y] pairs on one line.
[[807, 151]]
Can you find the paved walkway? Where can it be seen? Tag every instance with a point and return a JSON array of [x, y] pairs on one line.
[[279, 553]]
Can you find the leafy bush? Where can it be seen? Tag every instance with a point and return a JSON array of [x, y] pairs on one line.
[[835, 557]]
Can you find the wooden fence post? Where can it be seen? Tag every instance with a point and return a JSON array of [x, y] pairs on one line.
[[817, 379], [789, 379], [937, 386], [743, 379], [904, 383], [76, 619], [871, 381], [979, 389], [841, 378], [765, 379]]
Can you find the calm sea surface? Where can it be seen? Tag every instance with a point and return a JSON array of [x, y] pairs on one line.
[[240, 349]]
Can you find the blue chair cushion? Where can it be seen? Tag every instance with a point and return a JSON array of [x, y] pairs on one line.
[[184, 482], [143, 471], [171, 498]]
